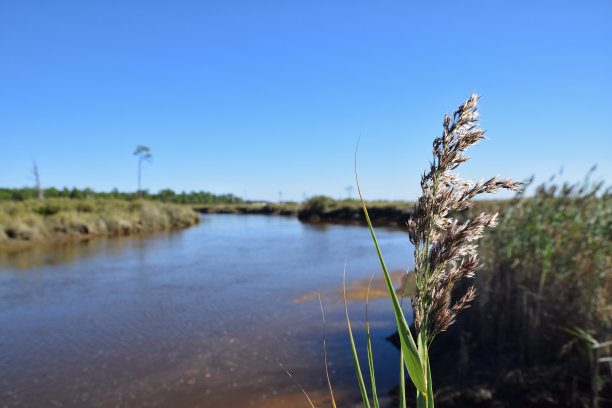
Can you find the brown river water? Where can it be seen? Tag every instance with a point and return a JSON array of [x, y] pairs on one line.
[[197, 318]]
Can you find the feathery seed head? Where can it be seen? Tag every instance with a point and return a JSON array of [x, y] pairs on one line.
[[445, 250]]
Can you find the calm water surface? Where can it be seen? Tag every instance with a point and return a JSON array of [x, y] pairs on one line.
[[196, 318]]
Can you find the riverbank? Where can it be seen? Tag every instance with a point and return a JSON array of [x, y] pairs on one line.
[[382, 213], [286, 209], [322, 209], [29, 222]]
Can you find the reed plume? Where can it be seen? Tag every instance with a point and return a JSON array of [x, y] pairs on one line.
[[445, 249]]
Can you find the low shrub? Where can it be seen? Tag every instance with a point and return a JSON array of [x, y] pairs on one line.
[[318, 203], [86, 206], [48, 208]]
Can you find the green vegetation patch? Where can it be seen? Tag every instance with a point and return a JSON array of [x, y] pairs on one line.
[[63, 218]]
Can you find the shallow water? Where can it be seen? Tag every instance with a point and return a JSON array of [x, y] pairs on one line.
[[195, 318]]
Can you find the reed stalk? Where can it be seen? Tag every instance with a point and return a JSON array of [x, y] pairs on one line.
[[445, 249]]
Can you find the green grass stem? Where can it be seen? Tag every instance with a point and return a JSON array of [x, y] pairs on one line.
[[370, 358], [362, 388]]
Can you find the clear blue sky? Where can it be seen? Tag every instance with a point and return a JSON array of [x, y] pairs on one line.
[[258, 98]]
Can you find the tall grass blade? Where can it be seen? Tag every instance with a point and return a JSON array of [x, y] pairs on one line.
[[364, 393], [370, 359], [298, 385], [331, 392], [409, 349]]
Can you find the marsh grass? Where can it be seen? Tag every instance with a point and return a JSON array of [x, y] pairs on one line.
[[325, 209], [549, 274], [285, 208], [56, 219]]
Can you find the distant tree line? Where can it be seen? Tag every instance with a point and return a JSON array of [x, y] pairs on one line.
[[166, 195]]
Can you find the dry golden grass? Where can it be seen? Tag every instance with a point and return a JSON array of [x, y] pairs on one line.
[[59, 219]]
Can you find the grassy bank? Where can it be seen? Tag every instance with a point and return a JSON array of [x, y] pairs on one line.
[[287, 208], [382, 213], [321, 209], [27, 222], [324, 209]]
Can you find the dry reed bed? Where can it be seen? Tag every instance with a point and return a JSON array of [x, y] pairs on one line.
[[548, 269]]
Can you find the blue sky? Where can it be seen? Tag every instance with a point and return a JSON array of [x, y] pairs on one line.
[[257, 98]]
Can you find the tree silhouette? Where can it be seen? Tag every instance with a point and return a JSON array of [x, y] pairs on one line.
[[144, 154], [39, 189]]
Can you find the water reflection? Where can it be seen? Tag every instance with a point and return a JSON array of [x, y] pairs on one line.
[[62, 252], [197, 318]]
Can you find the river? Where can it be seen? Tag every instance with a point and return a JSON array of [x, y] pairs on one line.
[[202, 317]]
